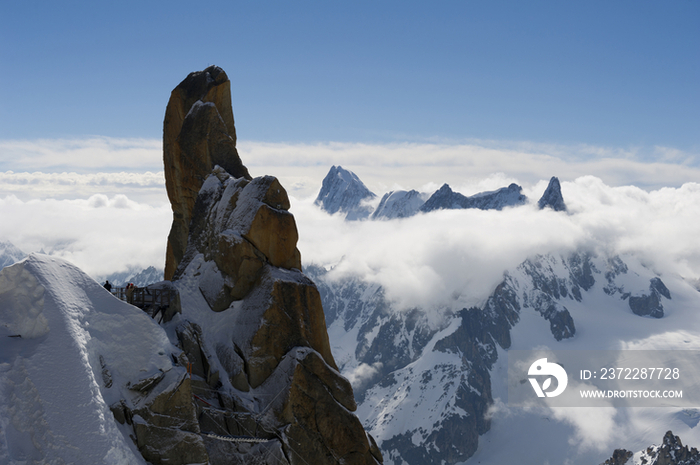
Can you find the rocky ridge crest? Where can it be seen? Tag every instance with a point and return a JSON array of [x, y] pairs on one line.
[[671, 451]]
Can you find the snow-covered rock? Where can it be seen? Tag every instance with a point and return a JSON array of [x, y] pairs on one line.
[[671, 451], [342, 191], [399, 204], [253, 329], [446, 198], [70, 352], [426, 378]]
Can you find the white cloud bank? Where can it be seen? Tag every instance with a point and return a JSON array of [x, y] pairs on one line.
[[421, 166], [78, 168], [99, 234], [81, 155], [65, 197], [457, 257], [145, 187]]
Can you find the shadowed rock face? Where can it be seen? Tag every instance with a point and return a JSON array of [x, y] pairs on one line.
[[650, 304], [552, 197], [198, 134]]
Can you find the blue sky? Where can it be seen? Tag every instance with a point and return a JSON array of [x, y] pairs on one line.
[[614, 74], [409, 95]]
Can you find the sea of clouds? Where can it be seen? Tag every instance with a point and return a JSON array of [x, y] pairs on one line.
[[101, 204], [457, 257]]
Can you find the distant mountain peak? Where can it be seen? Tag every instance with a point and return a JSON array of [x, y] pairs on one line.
[[343, 191], [446, 198], [552, 197], [139, 277], [9, 254]]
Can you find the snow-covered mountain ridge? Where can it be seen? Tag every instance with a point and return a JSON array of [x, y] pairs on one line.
[[66, 360], [139, 277], [425, 385], [343, 191]]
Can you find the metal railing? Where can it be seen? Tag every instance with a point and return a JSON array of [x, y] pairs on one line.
[[144, 297]]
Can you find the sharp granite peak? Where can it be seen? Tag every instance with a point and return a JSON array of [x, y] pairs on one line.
[[342, 191], [552, 197], [198, 134], [252, 324]]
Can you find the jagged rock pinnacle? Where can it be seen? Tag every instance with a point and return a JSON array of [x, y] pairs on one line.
[[198, 134], [232, 250], [552, 197]]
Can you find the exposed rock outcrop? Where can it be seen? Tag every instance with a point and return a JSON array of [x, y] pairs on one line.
[[164, 421], [552, 197], [198, 133], [252, 327], [619, 457], [650, 304]]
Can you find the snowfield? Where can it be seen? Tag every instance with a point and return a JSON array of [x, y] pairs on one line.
[[67, 350]]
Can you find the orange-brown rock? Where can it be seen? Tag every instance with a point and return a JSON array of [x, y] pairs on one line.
[[291, 317], [166, 429], [239, 226], [263, 361], [314, 409], [198, 134]]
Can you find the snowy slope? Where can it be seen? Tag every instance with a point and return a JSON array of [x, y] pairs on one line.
[[9, 254], [399, 204], [79, 347]]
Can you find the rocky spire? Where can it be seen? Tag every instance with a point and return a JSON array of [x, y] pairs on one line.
[[252, 326], [552, 197], [198, 133]]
